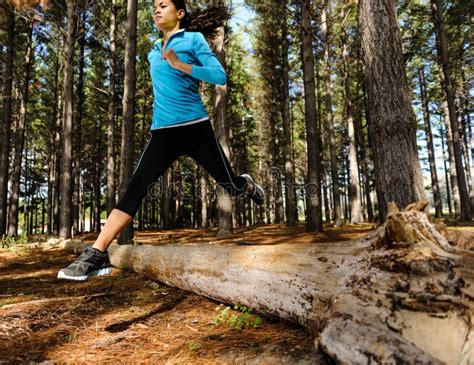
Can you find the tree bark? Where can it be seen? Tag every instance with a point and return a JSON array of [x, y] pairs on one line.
[[446, 173], [5, 129], [391, 120], [111, 188], [57, 164], [77, 151], [468, 131], [380, 299], [360, 133], [65, 218], [20, 135], [221, 127], [53, 151], [429, 142], [355, 197], [314, 220], [453, 177], [128, 110], [290, 196], [165, 199], [326, 34], [96, 174], [203, 186], [441, 45]]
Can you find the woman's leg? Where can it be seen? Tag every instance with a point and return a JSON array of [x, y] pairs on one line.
[[156, 158], [207, 151], [116, 222]]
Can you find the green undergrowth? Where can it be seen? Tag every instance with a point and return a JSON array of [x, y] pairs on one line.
[[243, 319]]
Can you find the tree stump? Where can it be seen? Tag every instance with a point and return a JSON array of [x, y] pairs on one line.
[[402, 293]]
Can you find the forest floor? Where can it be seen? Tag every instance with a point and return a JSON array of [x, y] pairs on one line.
[[126, 318]]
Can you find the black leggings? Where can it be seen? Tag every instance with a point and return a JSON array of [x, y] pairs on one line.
[[165, 146]]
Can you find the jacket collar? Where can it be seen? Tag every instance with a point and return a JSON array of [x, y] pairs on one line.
[[172, 34]]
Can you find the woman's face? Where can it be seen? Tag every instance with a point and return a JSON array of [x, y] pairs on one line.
[[166, 15]]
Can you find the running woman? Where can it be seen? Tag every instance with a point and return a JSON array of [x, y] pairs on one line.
[[180, 126]]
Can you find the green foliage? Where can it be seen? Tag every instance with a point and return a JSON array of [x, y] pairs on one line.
[[193, 346], [243, 319], [10, 242]]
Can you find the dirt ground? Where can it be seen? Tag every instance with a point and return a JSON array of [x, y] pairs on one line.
[[126, 318]]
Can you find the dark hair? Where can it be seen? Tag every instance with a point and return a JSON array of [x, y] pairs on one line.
[[205, 21]]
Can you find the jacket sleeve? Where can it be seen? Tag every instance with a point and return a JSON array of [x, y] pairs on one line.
[[210, 70]]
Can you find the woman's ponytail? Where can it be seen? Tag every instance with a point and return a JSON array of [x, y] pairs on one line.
[[205, 21]]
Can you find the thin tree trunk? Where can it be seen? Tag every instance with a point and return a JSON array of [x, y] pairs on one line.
[[77, 152], [97, 173], [111, 188], [7, 116], [203, 188], [290, 198], [20, 136], [128, 110], [360, 132], [53, 151], [57, 167], [453, 177], [65, 220], [446, 172], [429, 142], [355, 198], [314, 220], [326, 34], [441, 45], [467, 116], [165, 199], [392, 122], [221, 127]]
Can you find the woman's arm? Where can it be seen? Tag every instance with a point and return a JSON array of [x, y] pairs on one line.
[[211, 69], [174, 62]]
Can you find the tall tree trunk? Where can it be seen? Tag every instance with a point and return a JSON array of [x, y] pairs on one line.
[[77, 152], [57, 164], [203, 201], [128, 113], [391, 120], [314, 220], [165, 199], [429, 142], [441, 45], [111, 111], [453, 177], [290, 197], [97, 173], [355, 198], [20, 136], [7, 116], [470, 137], [326, 34], [221, 127], [53, 151], [65, 220], [446, 172], [360, 133]]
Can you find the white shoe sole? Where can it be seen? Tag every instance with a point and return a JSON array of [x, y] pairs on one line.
[[106, 271]]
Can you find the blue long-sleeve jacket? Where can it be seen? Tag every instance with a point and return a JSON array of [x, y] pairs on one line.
[[176, 97]]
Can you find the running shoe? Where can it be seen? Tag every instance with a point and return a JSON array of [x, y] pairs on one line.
[[91, 262], [258, 195]]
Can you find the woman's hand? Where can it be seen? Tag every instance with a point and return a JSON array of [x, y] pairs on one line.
[[171, 57], [174, 62]]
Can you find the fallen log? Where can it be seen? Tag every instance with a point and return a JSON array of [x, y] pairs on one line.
[[403, 293]]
